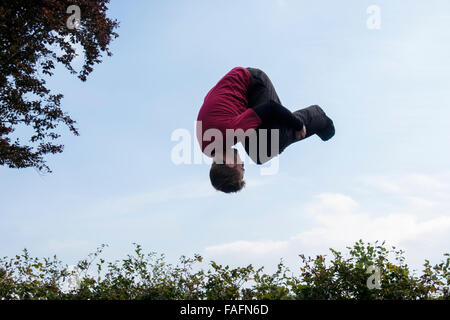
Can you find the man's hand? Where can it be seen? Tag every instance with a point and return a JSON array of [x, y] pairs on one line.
[[300, 134]]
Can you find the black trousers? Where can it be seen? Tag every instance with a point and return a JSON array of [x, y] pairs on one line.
[[261, 90]]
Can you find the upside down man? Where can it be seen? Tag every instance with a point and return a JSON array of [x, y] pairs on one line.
[[244, 107]]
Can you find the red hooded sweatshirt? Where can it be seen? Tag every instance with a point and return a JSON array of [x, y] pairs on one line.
[[226, 106]]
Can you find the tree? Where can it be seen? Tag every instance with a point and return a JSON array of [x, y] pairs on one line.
[[35, 35]]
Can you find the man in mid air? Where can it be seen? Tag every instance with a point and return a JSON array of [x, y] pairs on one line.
[[244, 107]]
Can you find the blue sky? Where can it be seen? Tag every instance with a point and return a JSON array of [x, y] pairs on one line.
[[385, 175]]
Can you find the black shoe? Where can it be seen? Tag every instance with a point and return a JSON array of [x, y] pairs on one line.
[[328, 132]]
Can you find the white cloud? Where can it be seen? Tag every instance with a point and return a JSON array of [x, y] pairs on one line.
[[184, 191], [339, 220], [248, 247], [57, 245], [409, 184], [134, 202], [404, 183]]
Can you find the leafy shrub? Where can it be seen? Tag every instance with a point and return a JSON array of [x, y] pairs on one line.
[[148, 276]]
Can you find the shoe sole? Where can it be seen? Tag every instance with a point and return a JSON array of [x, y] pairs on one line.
[[328, 132]]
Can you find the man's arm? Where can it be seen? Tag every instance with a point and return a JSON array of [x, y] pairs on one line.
[[272, 110]]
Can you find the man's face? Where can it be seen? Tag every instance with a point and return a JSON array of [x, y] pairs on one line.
[[235, 162]]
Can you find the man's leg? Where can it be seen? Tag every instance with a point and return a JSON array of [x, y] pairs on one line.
[[261, 90], [316, 122]]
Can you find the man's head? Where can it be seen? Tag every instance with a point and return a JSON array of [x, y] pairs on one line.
[[227, 175]]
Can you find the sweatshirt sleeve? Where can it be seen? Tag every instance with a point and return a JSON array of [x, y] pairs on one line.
[[272, 110], [246, 120]]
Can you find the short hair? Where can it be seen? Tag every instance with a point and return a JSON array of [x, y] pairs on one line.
[[225, 179]]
